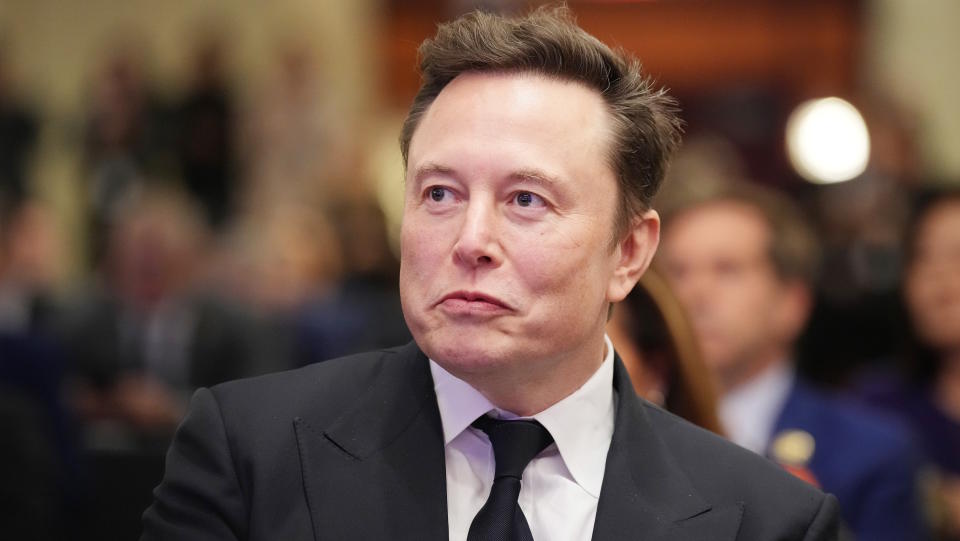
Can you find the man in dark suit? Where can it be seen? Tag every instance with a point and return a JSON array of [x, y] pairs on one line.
[[532, 154], [742, 260], [138, 348]]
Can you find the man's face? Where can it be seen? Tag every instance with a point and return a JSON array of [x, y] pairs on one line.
[[506, 259], [716, 257]]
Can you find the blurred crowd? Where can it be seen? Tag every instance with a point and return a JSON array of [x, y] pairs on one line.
[[820, 327], [220, 243]]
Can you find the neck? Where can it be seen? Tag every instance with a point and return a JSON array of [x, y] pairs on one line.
[[744, 373], [947, 385], [533, 388]]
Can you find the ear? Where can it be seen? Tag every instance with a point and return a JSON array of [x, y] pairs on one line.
[[634, 253]]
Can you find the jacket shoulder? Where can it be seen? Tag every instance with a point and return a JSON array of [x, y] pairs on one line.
[[773, 500], [323, 388]]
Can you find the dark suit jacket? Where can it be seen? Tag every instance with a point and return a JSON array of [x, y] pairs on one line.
[[353, 449], [866, 460]]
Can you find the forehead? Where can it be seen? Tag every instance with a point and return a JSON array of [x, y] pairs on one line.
[[522, 120], [718, 228]]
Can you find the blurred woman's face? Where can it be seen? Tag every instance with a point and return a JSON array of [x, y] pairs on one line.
[[933, 277]]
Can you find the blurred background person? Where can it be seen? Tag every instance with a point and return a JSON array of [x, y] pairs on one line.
[[324, 283], [278, 260], [33, 252], [141, 343], [743, 261], [18, 136], [296, 144], [206, 133], [362, 312], [655, 340], [38, 459], [125, 141], [137, 345], [927, 392]]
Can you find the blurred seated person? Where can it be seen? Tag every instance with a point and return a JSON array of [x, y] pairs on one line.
[[206, 128], [325, 283], [141, 343], [362, 312], [37, 457], [28, 267], [30, 355], [18, 135], [654, 339], [279, 259], [742, 261], [126, 138], [928, 397]]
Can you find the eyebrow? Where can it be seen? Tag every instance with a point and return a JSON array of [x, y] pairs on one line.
[[536, 176], [432, 169], [533, 175]]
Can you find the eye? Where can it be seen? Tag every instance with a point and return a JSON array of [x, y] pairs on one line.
[[438, 193], [528, 199]]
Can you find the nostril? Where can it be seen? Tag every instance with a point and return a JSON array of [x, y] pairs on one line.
[[484, 259]]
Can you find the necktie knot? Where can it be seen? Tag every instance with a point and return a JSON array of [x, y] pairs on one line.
[[515, 443]]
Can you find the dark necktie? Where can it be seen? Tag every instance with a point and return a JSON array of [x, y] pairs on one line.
[[515, 443]]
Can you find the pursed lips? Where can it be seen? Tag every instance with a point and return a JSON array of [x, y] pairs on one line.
[[472, 300]]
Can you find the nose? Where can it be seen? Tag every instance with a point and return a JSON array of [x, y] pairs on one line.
[[478, 240]]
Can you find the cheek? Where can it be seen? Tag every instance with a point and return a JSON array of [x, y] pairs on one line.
[[417, 257], [913, 291], [736, 315], [923, 297], [563, 277], [546, 261], [419, 237]]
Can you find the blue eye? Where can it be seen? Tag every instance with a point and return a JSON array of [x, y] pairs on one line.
[[527, 199]]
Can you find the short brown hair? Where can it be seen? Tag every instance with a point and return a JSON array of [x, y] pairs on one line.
[[794, 247], [548, 42]]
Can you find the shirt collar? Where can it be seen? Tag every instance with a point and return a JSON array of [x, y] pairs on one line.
[[581, 424], [749, 411]]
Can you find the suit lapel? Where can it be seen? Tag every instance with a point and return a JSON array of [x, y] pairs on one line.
[[645, 493], [377, 472]]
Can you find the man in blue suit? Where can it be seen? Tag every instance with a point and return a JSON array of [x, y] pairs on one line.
[[742, 261]]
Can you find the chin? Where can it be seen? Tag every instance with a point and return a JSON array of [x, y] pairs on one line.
[[463, 353]]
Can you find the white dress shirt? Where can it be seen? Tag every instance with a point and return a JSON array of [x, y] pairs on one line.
[[561, 486], [749, 412]]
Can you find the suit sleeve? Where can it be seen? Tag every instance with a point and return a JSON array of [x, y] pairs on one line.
[[825, 525], [200, 495]]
